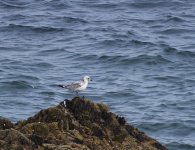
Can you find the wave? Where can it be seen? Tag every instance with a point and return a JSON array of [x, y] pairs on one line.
[[100, 58], [28, 77], [153, 4], [43, 65], [52, 52], [74, 20], [179, 146], [146, 59], [47, 93], [168, 49], [186, 53], [175, 19], [66, 19], [22, 78], [57, 4], [114, 42], [161, 126], [8, 3], [186, 15], [17, 84], [19, 64], [8, 61], [15, 17], [124, 59], [30, 65], [171, 50], [32, 28], [105, 5], [120, 94], [23, 4], [158, 22], [110, 58], [168, 77], [176, 31], [124, 42], [141, 43]]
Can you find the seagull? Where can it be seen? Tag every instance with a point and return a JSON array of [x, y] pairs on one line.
[[77, 86]]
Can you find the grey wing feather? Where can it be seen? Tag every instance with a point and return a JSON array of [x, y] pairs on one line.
[[73, 86]]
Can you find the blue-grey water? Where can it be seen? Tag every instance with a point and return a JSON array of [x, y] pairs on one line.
[[140, 54]]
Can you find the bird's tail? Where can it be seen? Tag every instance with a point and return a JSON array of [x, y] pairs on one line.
[[62, 86]]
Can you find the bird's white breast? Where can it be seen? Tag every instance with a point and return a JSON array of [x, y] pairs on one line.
[[83, 86]]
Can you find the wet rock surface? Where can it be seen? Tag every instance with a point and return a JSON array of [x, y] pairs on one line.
[[75, 124]]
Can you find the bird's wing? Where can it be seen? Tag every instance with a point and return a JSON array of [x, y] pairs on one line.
[[73, 86]]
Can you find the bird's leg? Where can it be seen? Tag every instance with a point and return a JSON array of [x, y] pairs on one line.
[[64, 103]]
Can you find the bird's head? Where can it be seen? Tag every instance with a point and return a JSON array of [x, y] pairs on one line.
[[87, 78]]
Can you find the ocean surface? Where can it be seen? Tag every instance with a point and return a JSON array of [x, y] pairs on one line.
[[139, 53]]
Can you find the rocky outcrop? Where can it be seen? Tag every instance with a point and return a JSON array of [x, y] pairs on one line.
[[75, 124]]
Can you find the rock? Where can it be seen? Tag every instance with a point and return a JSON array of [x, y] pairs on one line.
[[13, 139], [5, 124], [75, 124]]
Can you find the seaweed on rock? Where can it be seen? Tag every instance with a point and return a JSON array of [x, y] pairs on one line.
[[77, 125]]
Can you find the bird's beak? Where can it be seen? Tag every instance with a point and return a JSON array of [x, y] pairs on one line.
[[91, 80]]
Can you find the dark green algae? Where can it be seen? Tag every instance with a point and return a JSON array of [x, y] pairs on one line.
[[75, 124]]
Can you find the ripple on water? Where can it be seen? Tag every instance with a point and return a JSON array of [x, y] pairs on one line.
[[12, 4], [146, 59], [29, 28], [74, 20], [168, 49], [175, 19], [180, 145], [17, 84], [176, 31], [121, 60], [186, 54], [25, 4], [154, 4]]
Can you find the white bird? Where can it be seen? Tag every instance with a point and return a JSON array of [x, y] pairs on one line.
[[77, 86]]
